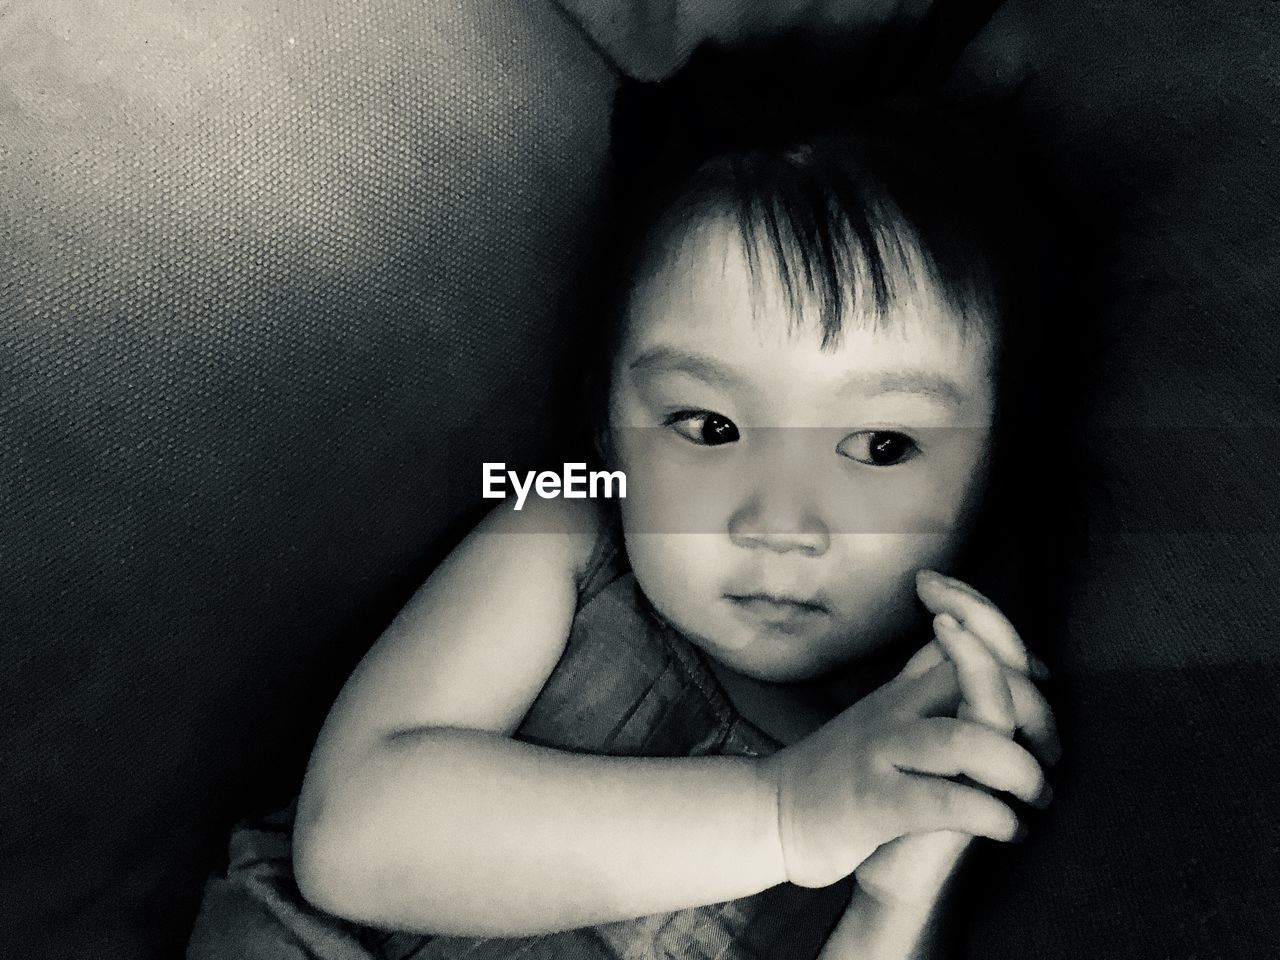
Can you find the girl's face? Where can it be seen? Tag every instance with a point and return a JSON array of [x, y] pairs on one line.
[[782, 495]]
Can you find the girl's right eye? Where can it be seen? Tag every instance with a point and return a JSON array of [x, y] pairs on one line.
[[702, 427]]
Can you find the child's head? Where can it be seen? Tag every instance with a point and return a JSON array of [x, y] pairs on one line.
[[818, 322]]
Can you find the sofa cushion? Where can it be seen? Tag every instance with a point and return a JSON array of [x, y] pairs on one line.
[[273, 281]]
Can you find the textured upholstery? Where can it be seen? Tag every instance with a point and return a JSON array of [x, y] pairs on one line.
[[273, 279], [1164, 838]]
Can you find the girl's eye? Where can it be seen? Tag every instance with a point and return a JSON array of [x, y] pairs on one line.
[[703, 428], [878, 448]]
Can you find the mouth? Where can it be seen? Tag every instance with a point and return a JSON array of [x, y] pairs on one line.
[[772, 605]]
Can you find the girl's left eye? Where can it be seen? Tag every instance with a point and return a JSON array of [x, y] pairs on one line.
[[878, 448]]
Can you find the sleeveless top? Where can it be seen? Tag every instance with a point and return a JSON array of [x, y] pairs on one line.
[[627, 685]]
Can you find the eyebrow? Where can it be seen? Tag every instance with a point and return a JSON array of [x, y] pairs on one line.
[[924, 383], [669, 360]]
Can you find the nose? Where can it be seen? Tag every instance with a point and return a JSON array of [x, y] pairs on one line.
[[778, 513], [806, 536]]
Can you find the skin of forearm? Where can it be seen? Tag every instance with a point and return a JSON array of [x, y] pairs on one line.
[[904, 925], [871, 930], [469, 833]]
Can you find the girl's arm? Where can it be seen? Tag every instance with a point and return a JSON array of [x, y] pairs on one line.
[[869, 930], [897, 905], [419, 812], [881, 925]]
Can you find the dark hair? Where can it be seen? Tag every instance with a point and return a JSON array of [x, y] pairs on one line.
[[830, 194], [831, 171]]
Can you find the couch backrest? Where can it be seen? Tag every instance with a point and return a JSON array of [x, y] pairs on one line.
[[273, 280]]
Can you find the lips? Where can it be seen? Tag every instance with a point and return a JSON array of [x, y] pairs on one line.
[[774, 603], [778, 613]]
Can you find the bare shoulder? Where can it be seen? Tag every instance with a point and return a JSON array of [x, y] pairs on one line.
[[566, 533], [476, 643]]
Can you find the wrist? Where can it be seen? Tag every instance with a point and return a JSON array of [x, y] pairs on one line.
[[913, 869], [768, 801], [874, 930]]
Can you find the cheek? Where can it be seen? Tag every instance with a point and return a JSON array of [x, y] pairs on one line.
[[875, 594], [673, 486], [886, 563], [940, 497], [677, 574]]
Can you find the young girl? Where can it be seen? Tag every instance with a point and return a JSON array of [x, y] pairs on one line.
[[645, 731]]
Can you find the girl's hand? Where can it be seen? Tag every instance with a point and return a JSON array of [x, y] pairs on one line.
[[992, 666], [877, 772], [999, 686]]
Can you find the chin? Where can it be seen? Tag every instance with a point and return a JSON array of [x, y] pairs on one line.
[[795, 658], [773, 660]]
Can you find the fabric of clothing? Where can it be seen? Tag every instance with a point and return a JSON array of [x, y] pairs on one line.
[[626, 685]]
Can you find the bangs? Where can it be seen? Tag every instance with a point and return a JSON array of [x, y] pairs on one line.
[[841, 247]]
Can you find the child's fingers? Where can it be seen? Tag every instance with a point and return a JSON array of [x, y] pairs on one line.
[[1034, 717], [933, 804], [1010, 701], [978, 614], [924, 660], [983, 684], [933, 692], [944, 747]]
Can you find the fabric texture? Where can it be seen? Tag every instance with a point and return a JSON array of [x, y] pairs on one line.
[[274, 281], [627, 685]]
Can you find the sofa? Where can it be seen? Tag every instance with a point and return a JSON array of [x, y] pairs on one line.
[[274, 280]]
